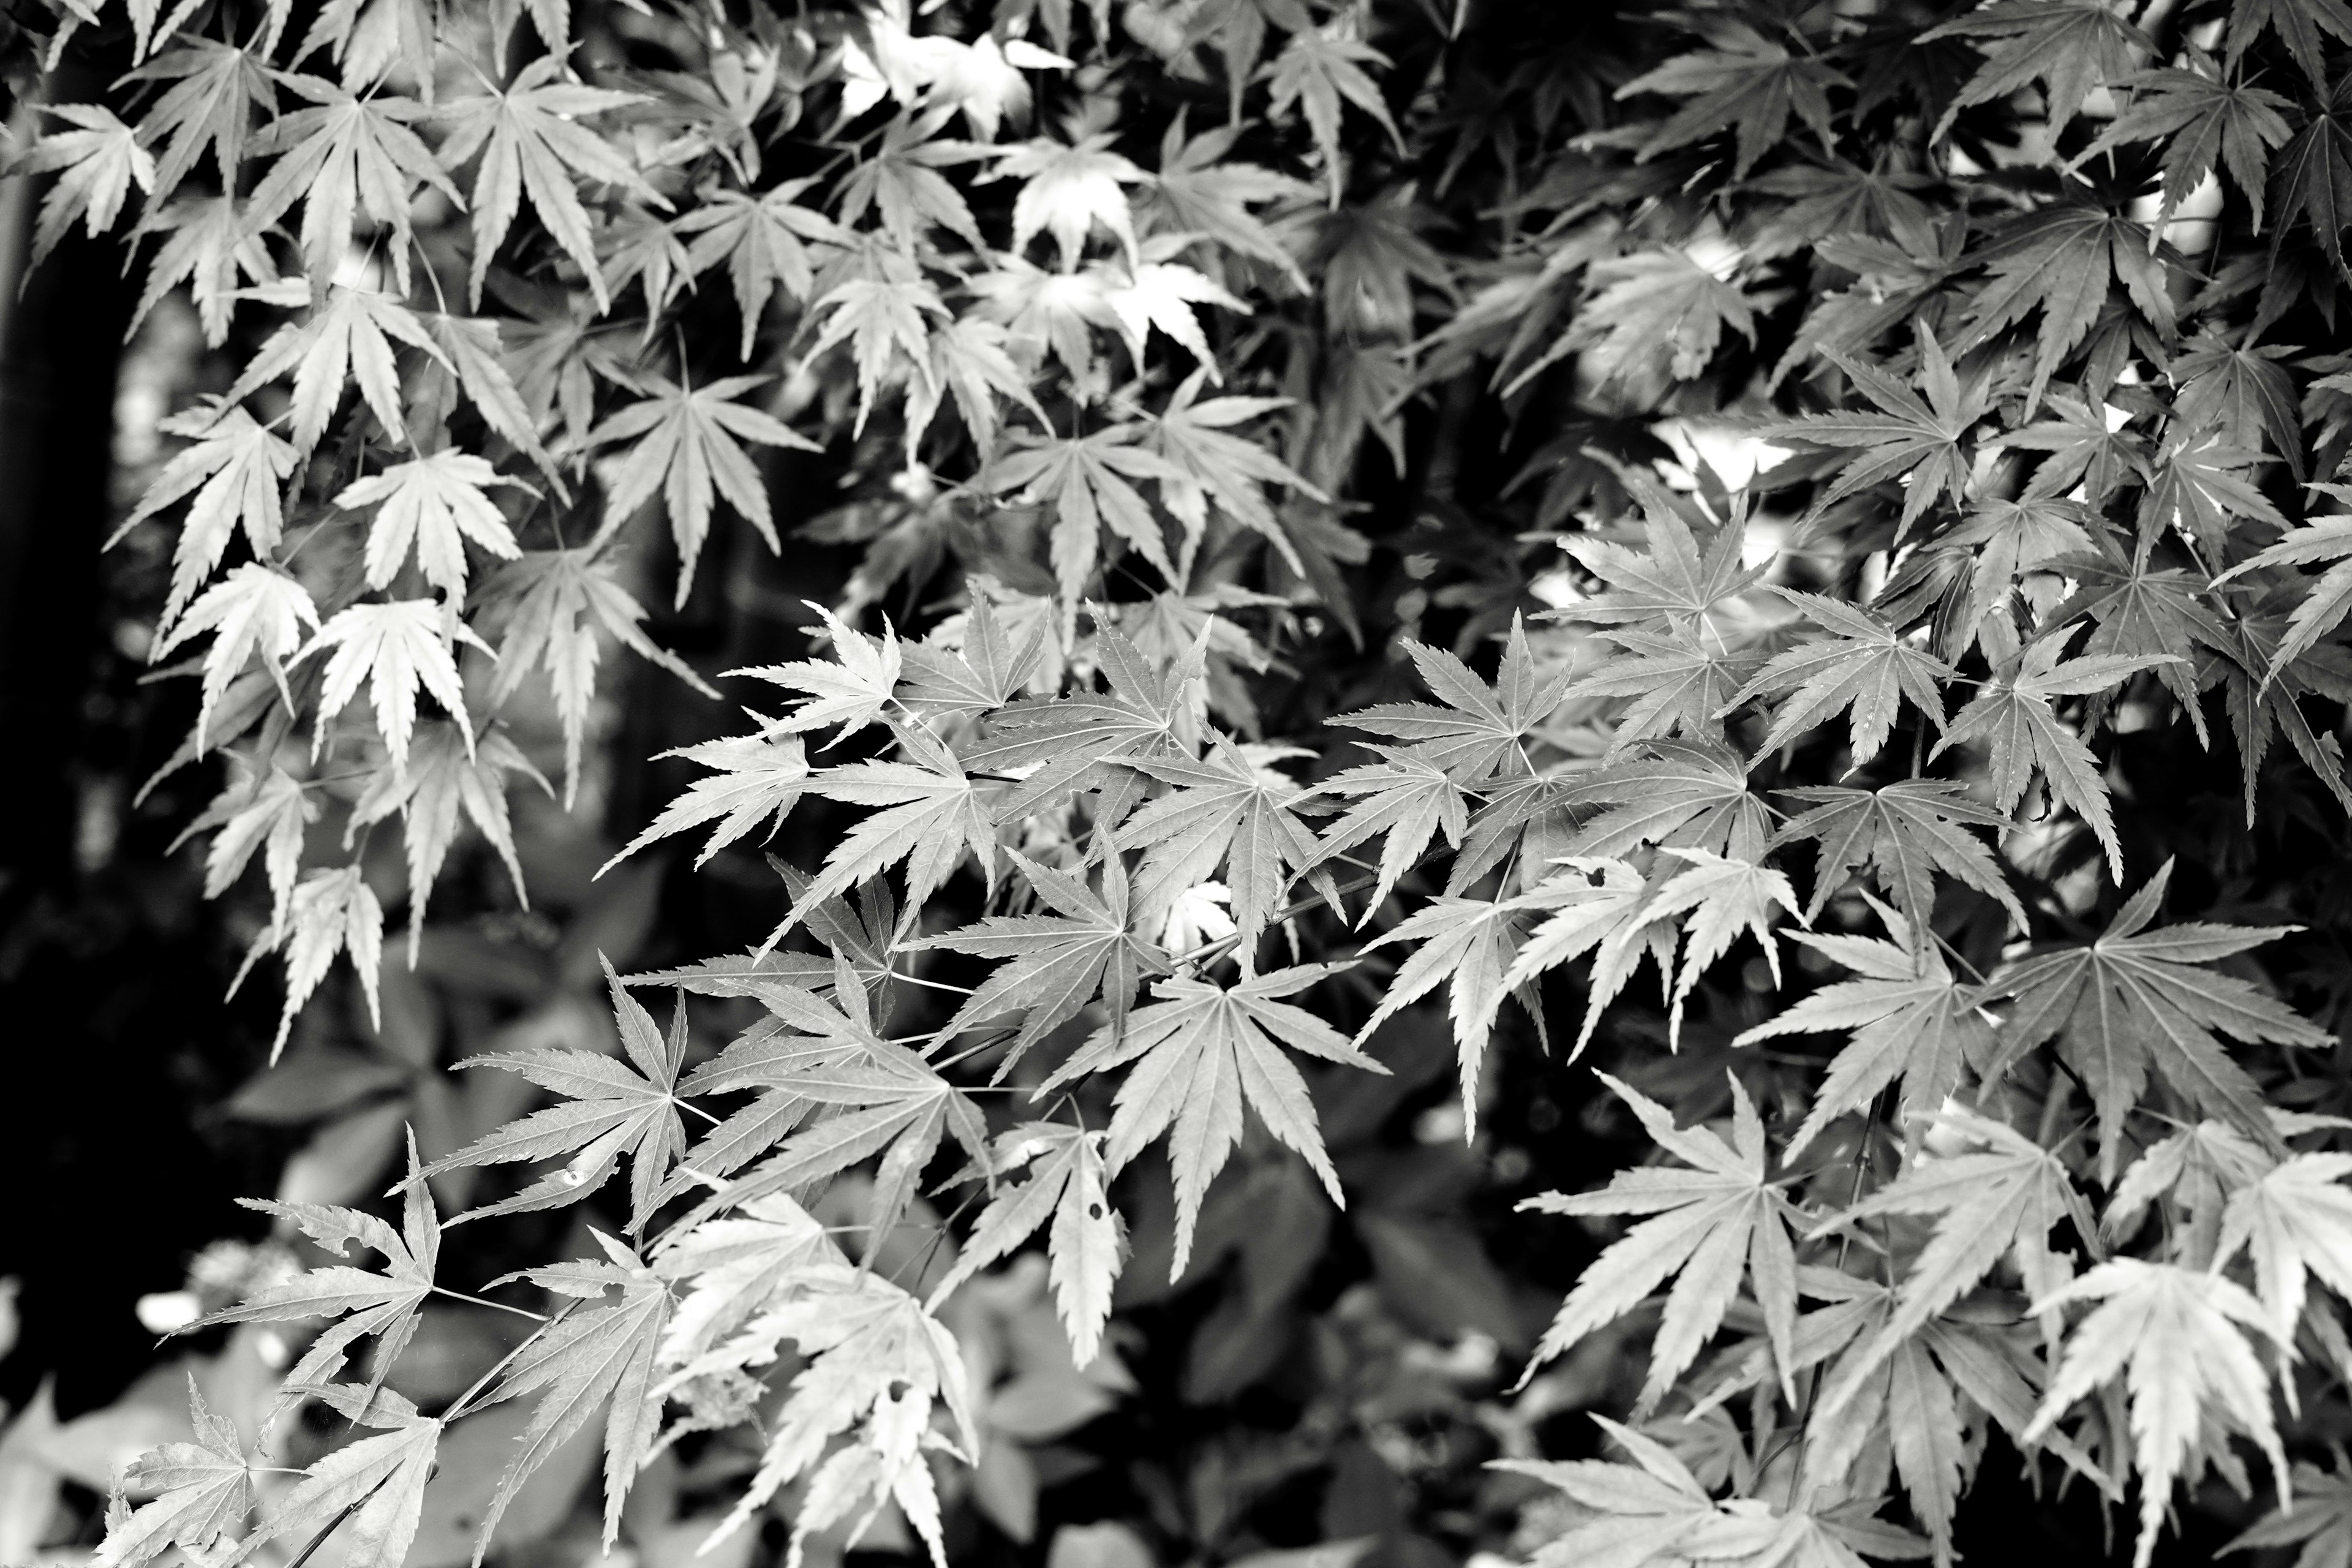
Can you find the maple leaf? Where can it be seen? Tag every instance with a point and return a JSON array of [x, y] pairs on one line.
[[2082, 448], [1710, 1220], [764, 240], [1066, 190], [2012, 712], [343, 156], [689, 441], [1673, 580], [2135, 1001], [1746, 82], [853, 689], [882, 320], [734, 1267], [384, 1303], [1682, 795], [1317, 68], [332, 911], [1681, 681], [1057, 963], [1909, 1018], [985, 673], [1607, 917], [256, 609], [2173, 1334], [1087, 481], [1205, 193], [476, 364], [369, 1492], [2297, 1219], [2319, 1519], [2198, 489], [2010, 538], [2311, 177], [1199, 1055], [269, 809], [1213, 466], [1223, 812], [96, 165], [1905, 831], [2059, 259], [397, 649], [929, 816], [447, 776], [1721, 897], [1868, 666], [609, 1111], [209, 246], [902, 179], [2298, 24], [1642, 1512], [1067, 1186], [2202, 120], [1988, 1202], [1066, 744], [343, 342], [969, 360], [1480, 726], [205, 109], [602, 1356], [1471, 945], [1405, 800], [432, 504], [234, 470], [200, 1491], [2070, 46], [1651, 302], [2242, 395], [560, 599], [530, 142], [2322, 606], [1918, 441]]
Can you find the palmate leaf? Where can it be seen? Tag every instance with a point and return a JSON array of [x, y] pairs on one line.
[[1199, 1054], [1470, 944], [346, 342], [1746, 82], [1905, 832], [1405, 801], [929, 816], [333, 911], [1714, 1224], [610, 1111], [1681, 795], [97, 165], [2200, 489], [1066, 1193], [200, 1491], [343, 156], [1057, 963], [397, 649], [370, 1492], [2173, 1334], [2298, 24], [234, 470], [2311, 176], [1069, 190], [2059, 259], [1087, 481], [1223, 813], [1866, 666], [2070, 46], [1201, 189], [1681, 682], [851, 689], [2011, 538], [1481, 727], [689, 443], [764, 241], [209, 246], [384, 1303], [2137, 1001], [444, 780], [1215, 467], [2319, 1519], [1601, 906], [432, 505], [1909, 1016], [2296, 1219], [1064, 745], [1908, 437], [1657, 301], [1318, 69], [1718, 897], [208, 107], [2327, 597]]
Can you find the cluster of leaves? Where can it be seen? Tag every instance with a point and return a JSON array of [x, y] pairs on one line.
[[1095, 316]]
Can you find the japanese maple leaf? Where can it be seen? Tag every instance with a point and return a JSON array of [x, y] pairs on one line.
[[1223, 813], [1674, 579], [198, 1492], [2082, 450], [397, 649], [1866, 666], [531, 143], [2008, 538], [2297, 1219], [887, 321], [2070, 46], [2326, 598], [689, 442], [2143, 612], [1069, 743], [1714, 1224], [928, 818], [2311, 177], [1638, 1513], [853, 689], [901, 180], [369, 1492], [969, 362], [987, 672], [270, 811], [333, 911], [1909, 1018], [384, 1303], [96, 164], [609, 1111], [2203, 121], [1917, 440], [2320, 1520], [1480, 727], [208, 246], [256, 609], [1720, 898], [2198, 489], [764, 240], [2298, 24], [431, 505], [1318, 69], [1066, 190], [1836, 197], [1682, 795], [1066, 1193], [1214, 465], [1598, 905], [476, 356], [1199, 1055], [343, 342], [2265, 698], [1043, 312], [235, 469], [447, 777], [1203, 190], [1905, 831], [597, 1358], [1746, 82], [2059, 259], [560, 600], [1088, 482], [2013, 714], [343, 156], [1988, 1202], [2242, 394], [1657, 301], [1057, 963], [1681, 682], [1158, 295], [1470, 944], [1405, 800], [2137, 1001], [2173, 1334], [208, 107]]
